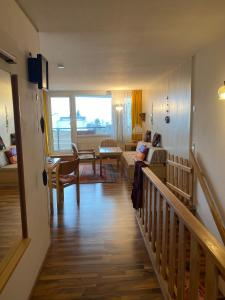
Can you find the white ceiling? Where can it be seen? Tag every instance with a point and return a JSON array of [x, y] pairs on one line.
[[121, 44]]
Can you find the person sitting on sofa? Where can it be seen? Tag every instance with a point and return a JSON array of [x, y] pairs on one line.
[[154, 157]]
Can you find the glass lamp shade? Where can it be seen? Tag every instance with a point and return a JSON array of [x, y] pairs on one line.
[[119, 107], [221, 92]]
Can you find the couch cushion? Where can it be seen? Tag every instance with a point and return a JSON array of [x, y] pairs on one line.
[[139, 144], [3, 159], [156, 155], [129, 157], [9, 167]]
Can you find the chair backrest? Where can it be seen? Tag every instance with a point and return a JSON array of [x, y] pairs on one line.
[[75, 150], [68, 167], [108, 143]]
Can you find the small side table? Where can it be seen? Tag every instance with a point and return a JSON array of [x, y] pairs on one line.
[[110, 152]]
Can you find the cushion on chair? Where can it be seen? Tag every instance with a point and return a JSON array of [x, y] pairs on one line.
[[86, 156], [64, 179]]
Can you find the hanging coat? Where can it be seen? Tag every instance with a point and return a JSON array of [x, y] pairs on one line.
[[137, 190]]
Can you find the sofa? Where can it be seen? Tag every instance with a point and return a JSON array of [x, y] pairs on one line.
[[8, 171], [155, 160]]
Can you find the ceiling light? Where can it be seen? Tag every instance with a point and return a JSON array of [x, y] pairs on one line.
[[221, 92], [60, 66]]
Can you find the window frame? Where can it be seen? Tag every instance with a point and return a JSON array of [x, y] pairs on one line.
[[72, 100], [16, 252]]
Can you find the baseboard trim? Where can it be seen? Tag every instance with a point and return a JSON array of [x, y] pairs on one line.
[[39, 272]]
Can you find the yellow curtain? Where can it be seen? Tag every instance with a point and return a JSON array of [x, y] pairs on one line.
[[136, 109], [46, 117]]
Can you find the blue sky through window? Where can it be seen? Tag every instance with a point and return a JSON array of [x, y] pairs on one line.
[[92, 108]]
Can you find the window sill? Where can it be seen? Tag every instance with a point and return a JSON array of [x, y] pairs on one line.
[[93, 135]]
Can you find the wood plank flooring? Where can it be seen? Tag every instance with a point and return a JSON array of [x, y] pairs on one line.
[[97, 251], [10, 219]]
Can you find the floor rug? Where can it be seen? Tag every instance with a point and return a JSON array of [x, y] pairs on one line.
[[109, 173]]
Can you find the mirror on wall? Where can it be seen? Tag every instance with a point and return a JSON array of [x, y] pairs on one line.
[[11, 185]]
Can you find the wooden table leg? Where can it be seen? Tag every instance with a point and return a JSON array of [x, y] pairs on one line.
[[118, 163], [50, 191], [100, 165]]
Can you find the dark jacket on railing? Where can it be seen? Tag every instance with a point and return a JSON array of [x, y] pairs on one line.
[[137, 190]]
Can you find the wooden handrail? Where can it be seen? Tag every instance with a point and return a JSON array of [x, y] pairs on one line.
[[178, 165], [208, 195], [179, 179], [187, 258], [204, 237]]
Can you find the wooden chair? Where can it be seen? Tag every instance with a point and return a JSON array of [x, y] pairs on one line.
[[108, 143], [67, 173], [85, 156]]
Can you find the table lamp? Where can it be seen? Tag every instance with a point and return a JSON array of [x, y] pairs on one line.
[[138, 131]]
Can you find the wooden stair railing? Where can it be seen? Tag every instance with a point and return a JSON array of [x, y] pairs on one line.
[[187, 258], [179, 179], [208, 195]]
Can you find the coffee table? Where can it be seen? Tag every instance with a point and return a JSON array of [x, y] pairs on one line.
[[109, 152]]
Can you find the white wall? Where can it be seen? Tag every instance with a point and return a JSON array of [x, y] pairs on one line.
[[18, 36], [209, 124], [177, 86], [208, 120]]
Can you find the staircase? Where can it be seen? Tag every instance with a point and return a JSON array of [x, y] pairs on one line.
[[188, 260]]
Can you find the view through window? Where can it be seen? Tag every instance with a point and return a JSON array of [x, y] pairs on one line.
[[94, 115], [61, 128]]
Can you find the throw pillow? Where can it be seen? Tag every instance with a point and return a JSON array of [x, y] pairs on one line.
[[2, 145], [11, 155], [156, 141], [142, 152], [3, 159], [147, 137]]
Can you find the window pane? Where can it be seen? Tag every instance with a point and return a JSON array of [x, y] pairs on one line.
[[61, 128], [94, 115]]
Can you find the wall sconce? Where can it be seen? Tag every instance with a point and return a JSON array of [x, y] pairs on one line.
[[142, 116], [221, 92]]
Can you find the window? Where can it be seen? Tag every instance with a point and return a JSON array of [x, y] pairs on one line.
[[61, 127], [74, 117], [93, 115]]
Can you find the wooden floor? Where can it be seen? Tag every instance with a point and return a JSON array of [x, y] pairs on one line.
[[97, 251], [10, 219]]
